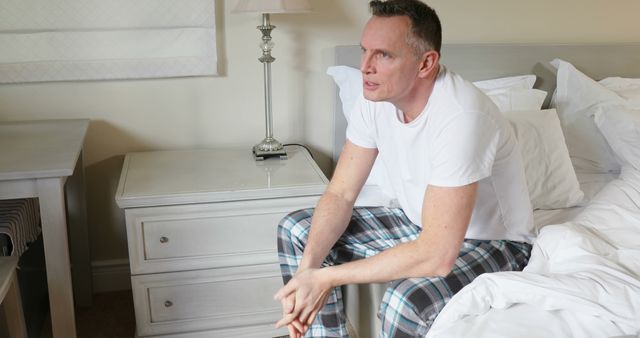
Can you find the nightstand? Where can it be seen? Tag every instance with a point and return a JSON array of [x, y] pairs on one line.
[[201, 230]]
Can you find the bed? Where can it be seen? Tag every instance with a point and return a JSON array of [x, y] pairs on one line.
[[583, 279]]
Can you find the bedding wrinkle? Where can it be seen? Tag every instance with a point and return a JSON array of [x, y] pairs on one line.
[[583, 278]]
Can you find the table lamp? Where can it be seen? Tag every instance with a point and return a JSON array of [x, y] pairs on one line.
[[269, 147]]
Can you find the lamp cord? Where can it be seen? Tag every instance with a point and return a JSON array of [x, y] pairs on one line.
[[303, 146]]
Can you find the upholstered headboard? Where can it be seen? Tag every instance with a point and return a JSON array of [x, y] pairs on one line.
[[485, 61]]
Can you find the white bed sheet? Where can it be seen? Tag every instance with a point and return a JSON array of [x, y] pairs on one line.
[[583, 279]]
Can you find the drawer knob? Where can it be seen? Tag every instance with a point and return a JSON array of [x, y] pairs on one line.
[[168, 303], [164, 239]]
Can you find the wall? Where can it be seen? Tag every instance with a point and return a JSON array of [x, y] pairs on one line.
[[228, 110]]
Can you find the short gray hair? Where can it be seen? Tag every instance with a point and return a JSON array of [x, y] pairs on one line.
[[426, 31]]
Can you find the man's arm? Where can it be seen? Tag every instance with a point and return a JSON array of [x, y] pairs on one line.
[[446, 213], [333, 212], [330, 218], [445, 217]]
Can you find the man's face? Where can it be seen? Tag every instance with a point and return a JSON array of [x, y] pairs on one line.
[[389, 66]]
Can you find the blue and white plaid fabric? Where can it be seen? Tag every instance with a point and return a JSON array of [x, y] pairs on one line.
[[409, 306]]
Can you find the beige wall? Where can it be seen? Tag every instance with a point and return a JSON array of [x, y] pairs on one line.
[[228, 110]]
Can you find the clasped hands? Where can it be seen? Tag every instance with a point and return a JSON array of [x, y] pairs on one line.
[[303, 296]]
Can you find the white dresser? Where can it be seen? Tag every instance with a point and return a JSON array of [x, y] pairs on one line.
[[201, 228]]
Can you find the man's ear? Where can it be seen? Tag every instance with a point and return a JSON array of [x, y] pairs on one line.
[[428, 63]]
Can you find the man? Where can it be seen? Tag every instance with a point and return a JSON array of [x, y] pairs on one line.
[[454, 166]]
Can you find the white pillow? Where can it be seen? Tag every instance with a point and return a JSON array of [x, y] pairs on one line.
[[517, 99], [624, 87], [510, 82], [513, 92], [577, 98], [349, 82], [551, 179], [621, 128]]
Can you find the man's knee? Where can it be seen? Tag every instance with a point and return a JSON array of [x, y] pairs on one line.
[[295, 223], [411, 305], [293, 231], [400, 298]]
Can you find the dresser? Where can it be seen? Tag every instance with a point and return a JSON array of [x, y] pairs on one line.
[[201, 231]]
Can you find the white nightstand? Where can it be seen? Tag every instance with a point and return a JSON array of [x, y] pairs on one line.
[[201, 228]]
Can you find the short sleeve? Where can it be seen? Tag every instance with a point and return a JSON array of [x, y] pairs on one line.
[[361, 128], [464, 150]]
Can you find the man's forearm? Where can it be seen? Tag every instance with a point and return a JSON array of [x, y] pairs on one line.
[[330, 219], [405, 260]]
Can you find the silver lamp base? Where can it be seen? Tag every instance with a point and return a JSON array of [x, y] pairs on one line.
[[269, 147]]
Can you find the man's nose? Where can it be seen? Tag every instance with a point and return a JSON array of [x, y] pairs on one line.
[[366, 64]]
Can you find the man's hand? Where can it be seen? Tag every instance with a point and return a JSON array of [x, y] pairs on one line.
[[304, 295], [296, 329]]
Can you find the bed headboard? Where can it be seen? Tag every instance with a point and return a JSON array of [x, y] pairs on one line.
[[487, 61]]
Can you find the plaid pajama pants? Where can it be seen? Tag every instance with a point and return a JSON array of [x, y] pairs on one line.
[[409, 306]]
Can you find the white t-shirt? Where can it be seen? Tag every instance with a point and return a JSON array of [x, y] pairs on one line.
[[459, 138]]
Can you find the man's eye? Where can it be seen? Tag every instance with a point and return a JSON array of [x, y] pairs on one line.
[[385, 55]]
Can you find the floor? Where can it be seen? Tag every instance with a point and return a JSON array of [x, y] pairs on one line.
[[111, 316]]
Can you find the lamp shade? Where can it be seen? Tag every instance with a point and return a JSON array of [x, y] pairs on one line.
[[272, 6]]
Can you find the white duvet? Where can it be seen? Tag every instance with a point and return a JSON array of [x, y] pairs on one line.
[[583, 278]]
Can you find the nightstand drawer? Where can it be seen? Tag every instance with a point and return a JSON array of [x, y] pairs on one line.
[[187, 237], [209, 234], [213, 300]]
